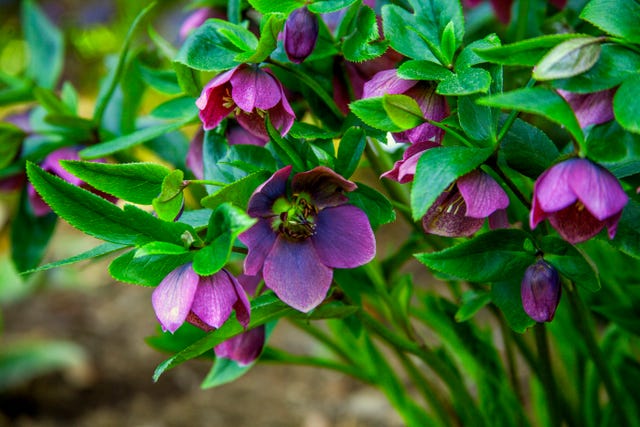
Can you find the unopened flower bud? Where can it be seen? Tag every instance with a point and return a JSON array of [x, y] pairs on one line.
[[300, 34], [540, 291]]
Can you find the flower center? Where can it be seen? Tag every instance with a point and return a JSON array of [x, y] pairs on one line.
[[295, 219]]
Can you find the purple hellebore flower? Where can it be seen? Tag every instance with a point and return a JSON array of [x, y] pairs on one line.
[[461, 209], [243, 348], [433, 106], [299, 239], [540, 291], [591, 108], [250, 92], [579, 198], [300, 34], [204, 301]]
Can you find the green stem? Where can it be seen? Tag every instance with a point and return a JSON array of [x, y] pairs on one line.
[[493, 164], [545, 372], [523, 15], [324, 339], [511, 118], [451, 132]]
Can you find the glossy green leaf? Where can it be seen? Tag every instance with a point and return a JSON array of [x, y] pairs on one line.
[[350, 151], [164, 81], [285, 148], [148, 270], [378, 208], [422, 70], [238, 192], [138, 183], [448, 44], [468, 56], [537, 100], [282, 6], [403, 111], [183, 107], [188, 79], [98, 251], [527, 149], [477, 121], [160, 248], [626, 104], [371, 111], [437, 169], [364, 42], [95, 216], [627, 237], [466, 82], [616, 17], [567, 59], [571, 262], [46, 45], [269, 31], [170, 201], [506, 296], [328, 6], [398, 27], [527, 52], [494, 256], [613, 147]]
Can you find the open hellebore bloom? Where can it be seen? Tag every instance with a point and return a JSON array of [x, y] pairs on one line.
[[540, 291], [300, 34], [434, 107], [579, 198], [204, 301], [300, 237], [462, 208], [591, 108], [250, 92], [243, 348]]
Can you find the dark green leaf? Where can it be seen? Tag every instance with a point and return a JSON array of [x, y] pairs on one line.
[[506, 295], [98, 251], [616, 149], [437, 169], [448, 44], [616, 17], [138, 183], [145, 270], [224, 371], [477, 121], [527, 149], [269, 31], [11, 138], [164, 81], [403, 111], [472, 302], [46, 45], [372, 112], [466, 82], [571, 263], [423, 70], [468, 57], [378, 208], [628, 235], [626, 104], [364, 42], [183, 107], [490, 257], [527, 52], [398, 27], [350, 151], [285, 149], [237, 192], [188, 79], [567, 59], [270, 6], [327, 6], [170, 201]]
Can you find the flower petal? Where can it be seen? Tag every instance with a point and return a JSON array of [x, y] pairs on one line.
[[591, 108], [434, 107], [263, 198], [446, 217], [597, 189], [386, 81], [212, 106], [404, 170], [296, 274], [254, 88], [575, 224], [243, 348], [194, 155], [344, 238], [259, 239], [282, 116], [173, 297], [552, 189], [242, 305], [214, 299], [482, 194], [52, 164], [325, 187]]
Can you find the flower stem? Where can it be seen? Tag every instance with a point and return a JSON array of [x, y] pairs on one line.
[[492, 162], [545, 372]]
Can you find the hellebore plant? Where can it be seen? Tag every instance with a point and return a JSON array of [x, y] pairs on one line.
[[377, 174]]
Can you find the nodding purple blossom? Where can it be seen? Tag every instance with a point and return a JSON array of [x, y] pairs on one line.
[[434, 107], [243, 348], [540, 291], [250, 92], [300, 34], [591, 108], [462, 208], [302, 235], [579, 198], [405, 169], [204, 301]]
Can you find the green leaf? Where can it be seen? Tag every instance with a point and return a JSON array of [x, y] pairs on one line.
[[468, 57], [571, 262], [328, 6], [616, 17], [448, 45], [270, 6], [371, 111], [146, 270], [567, 59], [238, 192], [159, 248], [364, 42], [98, 251], [626, 104], [11, 138], [285, 149], [613, 147], [183, 107], [46, 45], [506, 296], [264, 308], [51, 102], [527, 149], [188, 79], [95, 216], [350, 151], [269, 31], [130, 140], [403, 111], [477, 121], [210, 48], [494, 256], [627, 237], [138, 183], [170, 201], [378, 208], [422, 70], [164, 81], [537, 100], [527, 52], [466, 82], [437, 169], [398, 27], [472, 302]]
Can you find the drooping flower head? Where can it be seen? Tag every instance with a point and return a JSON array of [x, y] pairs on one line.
[[540, 291], [300, 34], [433, 106], [302, 235], [243, 348], [579, 198], [405, 169], [204, 301], [250, 92], [591, 108], [462, 208]]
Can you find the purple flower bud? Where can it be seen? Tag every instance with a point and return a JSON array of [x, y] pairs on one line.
[[300, 34], [540, 291]]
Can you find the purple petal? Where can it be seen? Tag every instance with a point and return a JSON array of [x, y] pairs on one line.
[[196, 19], [575, 224], [38, 205], [282, 116], [300, 34], [211, 102], [173, 297], [325, 187], [482, 194], [540, 291], [499, 219], [214, 299], [537, 215], [296, 274], [253, 88], [404, 170], [243, 348], [259, 239], [552, 189], [239, 135], [612, 224], [384, 82], [242, 305], [194, 155], [344, 238], [434, 107], [597, 189], [263, 198], [591, 108], [52, 164], [446, 217], [253, 123]]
